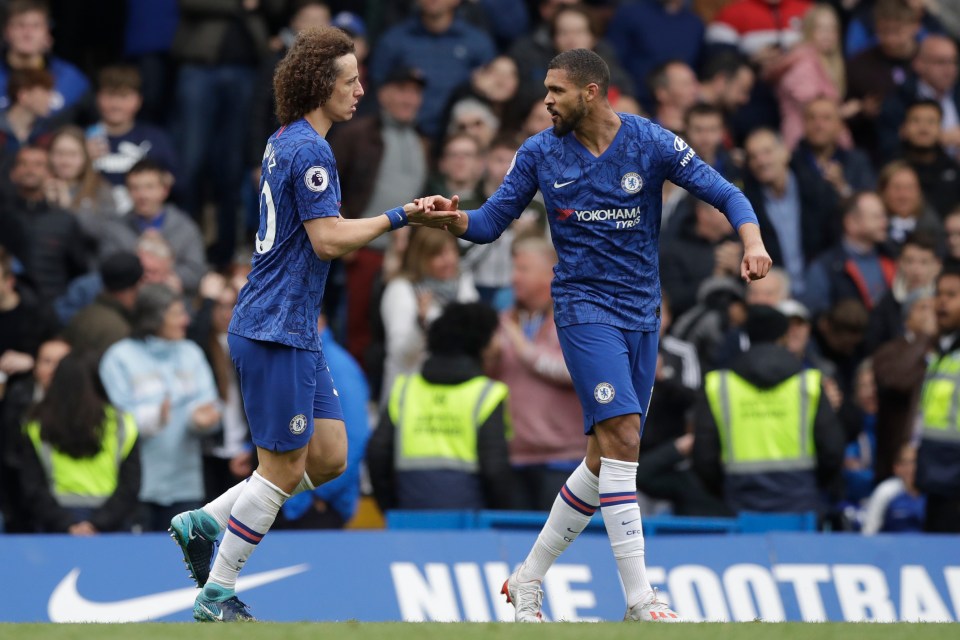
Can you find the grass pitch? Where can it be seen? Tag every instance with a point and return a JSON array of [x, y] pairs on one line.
[[486, 631]]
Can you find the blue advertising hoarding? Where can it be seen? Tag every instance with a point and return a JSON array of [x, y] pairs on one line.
[[457, 575]]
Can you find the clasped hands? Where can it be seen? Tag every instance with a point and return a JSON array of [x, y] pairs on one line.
[[433, 211]]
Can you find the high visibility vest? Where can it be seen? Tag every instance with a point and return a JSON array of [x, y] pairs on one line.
[[436, 424], [765, 430], [87, 482], [939, 400]]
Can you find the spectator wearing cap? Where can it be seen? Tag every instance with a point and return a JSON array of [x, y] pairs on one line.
[[108, 318], [764, 434], [357, 30], [444, 47], [857, 266], [379, 158]]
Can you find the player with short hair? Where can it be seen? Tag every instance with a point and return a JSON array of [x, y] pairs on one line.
[[289, 396], [601, 174]]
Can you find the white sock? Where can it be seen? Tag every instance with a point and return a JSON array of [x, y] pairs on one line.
[[219, 508], [574, 506], [621, 516], [250, 519]]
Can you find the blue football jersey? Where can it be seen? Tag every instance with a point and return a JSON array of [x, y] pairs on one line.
[[281, 300], [604, 215]]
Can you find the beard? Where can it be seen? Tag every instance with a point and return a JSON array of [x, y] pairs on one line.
[[568, 124]]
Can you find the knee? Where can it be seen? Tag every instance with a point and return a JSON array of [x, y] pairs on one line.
[[619, 437]]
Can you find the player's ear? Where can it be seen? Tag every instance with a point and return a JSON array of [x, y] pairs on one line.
[[593, 91]]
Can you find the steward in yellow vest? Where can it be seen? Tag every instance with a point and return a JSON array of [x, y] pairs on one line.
[[938, 458], [442, 441], [81, 462], [765, 434]]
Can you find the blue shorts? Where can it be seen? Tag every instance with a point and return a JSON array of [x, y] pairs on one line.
[[612, 370], [284, 389]]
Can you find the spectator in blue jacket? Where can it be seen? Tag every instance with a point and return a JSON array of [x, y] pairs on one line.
[[444, 47]]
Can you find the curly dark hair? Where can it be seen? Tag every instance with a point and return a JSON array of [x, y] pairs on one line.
[[72, 412], [305, 77]]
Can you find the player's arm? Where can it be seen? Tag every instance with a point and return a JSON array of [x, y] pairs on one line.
[[687, 170], [334, 236]]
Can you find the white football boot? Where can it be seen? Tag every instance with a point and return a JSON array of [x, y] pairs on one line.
[[653, 610], [526, 598]]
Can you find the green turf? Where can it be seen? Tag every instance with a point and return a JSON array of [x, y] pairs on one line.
[[494, 631]]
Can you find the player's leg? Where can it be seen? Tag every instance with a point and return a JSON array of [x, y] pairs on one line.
[[278, 384], [618, 441]]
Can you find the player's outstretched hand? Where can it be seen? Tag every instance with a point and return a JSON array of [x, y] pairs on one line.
[[756, 262], [420, 214], [439, 203]]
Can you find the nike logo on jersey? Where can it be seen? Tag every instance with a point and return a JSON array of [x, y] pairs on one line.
[[67, 605], [560, 185]]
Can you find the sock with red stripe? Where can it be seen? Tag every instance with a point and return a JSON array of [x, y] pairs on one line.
[[219, 508], [572, 510], [251, 517], [621, 516]]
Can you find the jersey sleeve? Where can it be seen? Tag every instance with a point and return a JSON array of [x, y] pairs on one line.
[[685, 169], [314, 175], [510, 200]]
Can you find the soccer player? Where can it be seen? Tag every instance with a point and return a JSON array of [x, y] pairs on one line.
[[289, 396], [601, 174]]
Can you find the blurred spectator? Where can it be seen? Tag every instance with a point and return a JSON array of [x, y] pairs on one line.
[[535, 50], [148, 36], [726, 81], [857, 267], [164, 381], [228, 453], [548, 422], [21, 395], [859, 457], [935, 69], [444, 47], [23, 325], [899, 366], [674, 89], [490, 264], [939, 174], [719, 312], [537, 119], [839, 334], [117, 141], [53, 253], [108, 318], [664, 471], [380, 158], [760, 29], [705, 245], [149, 186], [474, 118], [705, 131], [864, 28], [81, 465], [75, 186], [917, 267], [496, 84], [305, 14], [765, 436], [459, 170], [796, 214], [821, 154], [26, 33], [812, 69], [938, 458], [333, 504], [218, 48], [464, 464], [877, 71], [430, 279], [355, 28], [896, 506], [951, 228], [899, 187], [25, 120], [650, 32]]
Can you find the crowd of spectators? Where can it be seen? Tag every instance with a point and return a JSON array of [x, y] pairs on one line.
[[131, 136]]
